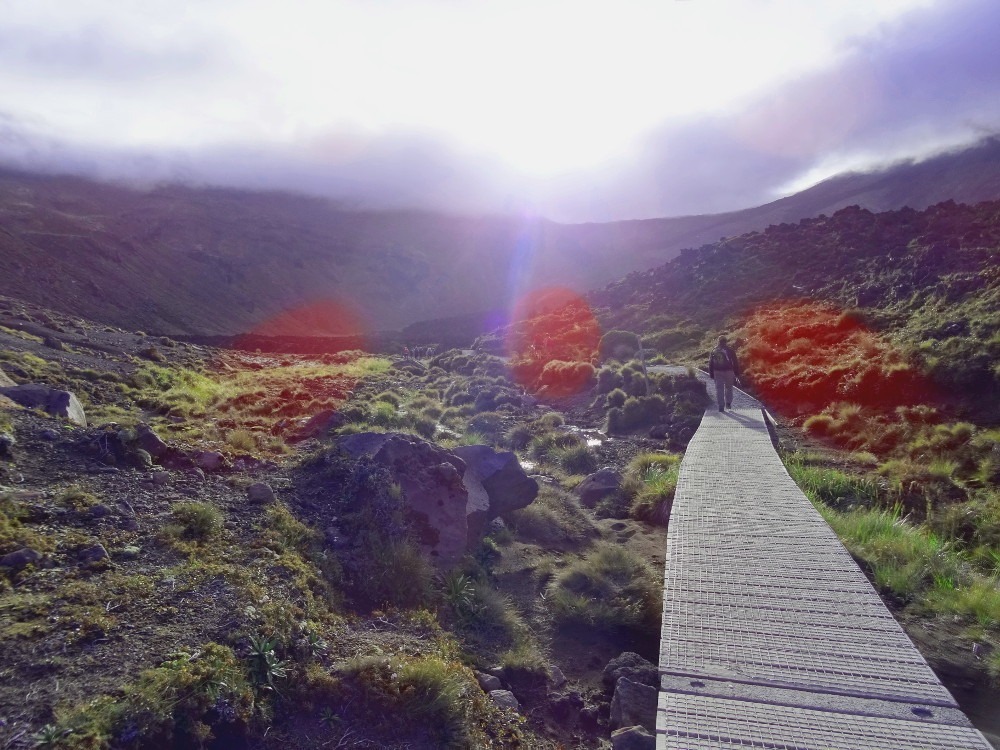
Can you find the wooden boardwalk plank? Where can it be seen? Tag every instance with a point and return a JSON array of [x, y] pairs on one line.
[[772, 637]]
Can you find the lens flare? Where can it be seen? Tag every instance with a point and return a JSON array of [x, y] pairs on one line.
[[552, 341]]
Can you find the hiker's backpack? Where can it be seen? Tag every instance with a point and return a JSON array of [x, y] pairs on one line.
[[720, 360]]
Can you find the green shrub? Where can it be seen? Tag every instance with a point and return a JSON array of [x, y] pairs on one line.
[[549, 421], [608, 379], [518, 437], [616, 398], [242, 440], [389, 397], [425, 427], [618, 345]]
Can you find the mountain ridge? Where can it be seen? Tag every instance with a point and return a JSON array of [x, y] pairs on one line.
[[221, 261]]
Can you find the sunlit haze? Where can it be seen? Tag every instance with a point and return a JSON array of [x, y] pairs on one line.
[[474, 105]]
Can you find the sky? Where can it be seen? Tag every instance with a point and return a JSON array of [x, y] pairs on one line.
[[570, 109]]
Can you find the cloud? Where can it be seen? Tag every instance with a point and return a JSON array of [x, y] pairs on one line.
[[926, 81]]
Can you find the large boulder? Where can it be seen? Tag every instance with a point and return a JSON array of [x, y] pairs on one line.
[[634, 704], [496, 484], [599, 485], [58, 403], [149, 441], [431, 482]]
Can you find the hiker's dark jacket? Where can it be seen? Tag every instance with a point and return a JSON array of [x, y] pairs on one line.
[[732, 358]]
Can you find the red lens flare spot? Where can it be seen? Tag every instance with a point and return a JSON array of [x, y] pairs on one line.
[[804, 356], [552, 342]]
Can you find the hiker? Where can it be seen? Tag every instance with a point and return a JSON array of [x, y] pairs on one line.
[[724, 369]]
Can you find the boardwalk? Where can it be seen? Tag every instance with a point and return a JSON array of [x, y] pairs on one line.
[[772, 636]]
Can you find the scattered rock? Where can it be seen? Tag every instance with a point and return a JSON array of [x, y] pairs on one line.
[[209, 460], [488, 682], [633, 666], [632, 738], [20, 558], [7, 443], [160, 478], [49, 434], [599, 485], [505, 699], [634, 703], [260, 493], [556, 677], [317, 425], [590, 717], [92, 554], [53, 343], [98, 512], [58, 403], [566, 708]]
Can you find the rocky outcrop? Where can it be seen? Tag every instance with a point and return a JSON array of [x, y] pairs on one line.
[[632, 738], [634, 704], [451, 496], [5, 380], [599, 485], [63, 404], [633, 666], [431, 482], [496, 484]]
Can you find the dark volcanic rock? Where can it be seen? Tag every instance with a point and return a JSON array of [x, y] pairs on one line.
[[599, 485], [431, 482], [20, 558], [632, 738], [496, 484], [634, 704], [56, 402], [149, 441], [633, 666]]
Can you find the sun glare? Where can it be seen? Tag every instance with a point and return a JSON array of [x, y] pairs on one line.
[[545, 87]]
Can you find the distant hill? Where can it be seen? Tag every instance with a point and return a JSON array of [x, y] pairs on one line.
[[210, 261], [929, 280]]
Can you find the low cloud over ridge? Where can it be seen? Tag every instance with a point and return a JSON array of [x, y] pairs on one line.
[[926, 82]]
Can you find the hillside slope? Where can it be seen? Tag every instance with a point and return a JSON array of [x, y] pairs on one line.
[[928, 279], [213, 261]]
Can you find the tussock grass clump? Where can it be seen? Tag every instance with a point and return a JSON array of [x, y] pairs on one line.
[[429, 697], [610, 588], [650, 484], [178, 703], [575, 459], [194, 521], [555, 517]]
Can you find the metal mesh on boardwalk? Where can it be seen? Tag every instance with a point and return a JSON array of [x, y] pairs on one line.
[[772, 637]]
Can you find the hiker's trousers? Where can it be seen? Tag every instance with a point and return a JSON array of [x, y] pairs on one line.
[[724, 382]]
